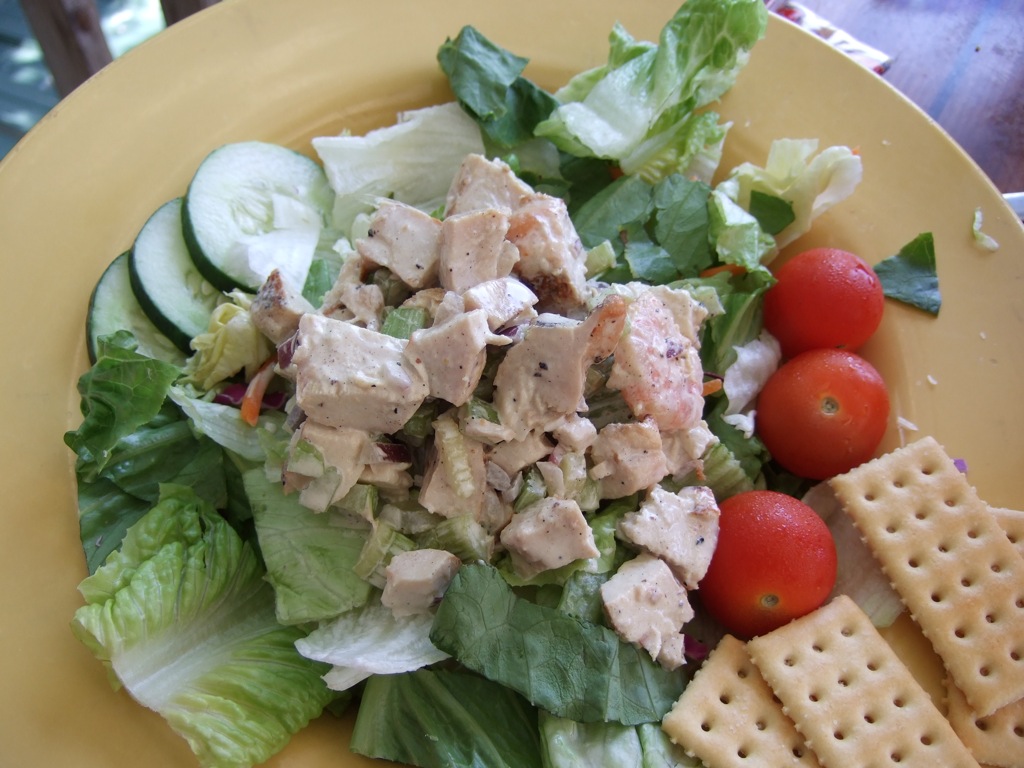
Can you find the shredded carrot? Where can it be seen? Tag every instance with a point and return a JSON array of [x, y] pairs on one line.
[[252, 400], [711, 386], [736, 269]]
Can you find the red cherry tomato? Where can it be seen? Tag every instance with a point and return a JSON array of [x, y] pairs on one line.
[[775, 561], [823, 413], [824, 297]]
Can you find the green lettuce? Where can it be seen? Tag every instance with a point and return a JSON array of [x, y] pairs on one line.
[[309, 556], [184, 620], [442, 718], [568, 744], [487, 82], [121, 392], [571, 668], [232, 343], [795, 172], [412, 161], [911, 277], [637, 108], [371, 640]]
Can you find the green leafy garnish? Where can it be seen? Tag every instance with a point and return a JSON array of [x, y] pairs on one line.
[[911, 277]]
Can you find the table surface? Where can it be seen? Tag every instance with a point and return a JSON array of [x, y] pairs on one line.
[[961, 61]]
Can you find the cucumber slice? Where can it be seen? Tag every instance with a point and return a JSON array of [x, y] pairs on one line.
[[113, 307], [253, 207], [170, 289]]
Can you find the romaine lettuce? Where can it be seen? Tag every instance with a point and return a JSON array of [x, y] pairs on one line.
[[569, 667], [309, 556], [184, 620], [638, 108], [442, 718]]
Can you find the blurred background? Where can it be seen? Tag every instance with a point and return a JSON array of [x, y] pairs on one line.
[[28, 89]]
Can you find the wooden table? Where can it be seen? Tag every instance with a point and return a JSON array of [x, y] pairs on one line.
[[961, 61]]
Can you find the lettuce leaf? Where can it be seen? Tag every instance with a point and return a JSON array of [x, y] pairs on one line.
[[487, 82], [569, 667], [184, 620], [231, 343], [412, 161], [123, 391], [309, 556], [371, 641], [810, 183], [636, 107], [439, 718], [911, 277]]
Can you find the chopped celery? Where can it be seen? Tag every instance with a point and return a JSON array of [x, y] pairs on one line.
[[451, 443], [400, 322], [533, 489], [362, 501], [461, 535], [383, 543]]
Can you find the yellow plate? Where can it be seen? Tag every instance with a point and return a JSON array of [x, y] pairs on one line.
[[78, 187]]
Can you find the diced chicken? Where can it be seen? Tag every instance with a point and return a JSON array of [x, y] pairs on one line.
[[405, 240], [657, 367], [542, 377], [482, 183], [552, 259], [455, 477], [680, 528], [496, 512], [453, 355], [429, 299], [688, 313], [515, 455], [277, 308], [647, 605], [575, 433], [473, 249], [362, 305], [548, 534], [348, 376], [504, 300], [627, 458], [387, 476], [684, 448], [342, 451], [417, 580]]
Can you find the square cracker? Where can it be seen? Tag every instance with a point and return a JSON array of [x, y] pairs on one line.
[[728, 716], [850, 695], [951, 563], [996, 740], [1012, 522]]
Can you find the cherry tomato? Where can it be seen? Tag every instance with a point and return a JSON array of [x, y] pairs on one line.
[[824, 297], [775, 561], [823, 413]]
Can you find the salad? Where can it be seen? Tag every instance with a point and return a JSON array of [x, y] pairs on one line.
[[326, 460]]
